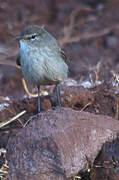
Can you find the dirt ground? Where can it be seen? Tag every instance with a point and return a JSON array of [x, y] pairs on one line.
[[88, 32]]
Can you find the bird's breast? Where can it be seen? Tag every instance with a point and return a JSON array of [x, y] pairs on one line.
[[32, 63], [41, 66]]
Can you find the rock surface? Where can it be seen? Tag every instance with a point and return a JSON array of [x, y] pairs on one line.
[[58, 144]]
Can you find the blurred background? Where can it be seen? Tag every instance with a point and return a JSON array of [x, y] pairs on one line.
[[87, 30]]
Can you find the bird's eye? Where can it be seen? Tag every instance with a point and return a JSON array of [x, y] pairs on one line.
[[33, 36]]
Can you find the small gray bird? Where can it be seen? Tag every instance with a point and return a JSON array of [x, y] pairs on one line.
[[41, 59]]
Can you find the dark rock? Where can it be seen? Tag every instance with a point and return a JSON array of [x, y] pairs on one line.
[[106, 164], [99, 100]]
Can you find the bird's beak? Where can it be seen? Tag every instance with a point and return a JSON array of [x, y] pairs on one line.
[[18, 38]]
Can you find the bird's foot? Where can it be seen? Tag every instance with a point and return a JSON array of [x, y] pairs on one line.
[[31, 118], [56, 107]]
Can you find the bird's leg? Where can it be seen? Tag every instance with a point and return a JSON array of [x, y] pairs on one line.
[[39, 105], [58, 95]]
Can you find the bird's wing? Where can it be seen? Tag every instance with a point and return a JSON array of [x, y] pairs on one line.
[[18, 60]]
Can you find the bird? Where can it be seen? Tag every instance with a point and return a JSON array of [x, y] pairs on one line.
[[42, 60]]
